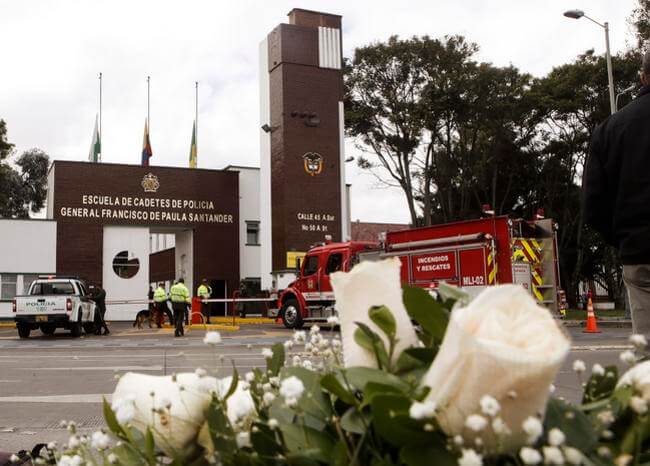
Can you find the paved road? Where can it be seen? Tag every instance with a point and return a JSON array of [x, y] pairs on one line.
[[46, 379]]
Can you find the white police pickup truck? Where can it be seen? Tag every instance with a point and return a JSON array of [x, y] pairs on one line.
[[55, 302]]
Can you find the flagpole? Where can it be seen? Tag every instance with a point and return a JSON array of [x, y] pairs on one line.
[[100, 116], [148, 100], [196, 118]]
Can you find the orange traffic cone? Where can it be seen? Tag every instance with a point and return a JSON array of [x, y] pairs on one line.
[[591, 326]]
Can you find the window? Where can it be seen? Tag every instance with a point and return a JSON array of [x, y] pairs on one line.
[[311, 266], [252, 233], [125, 264], [8, 285], [334, 263], [52, 288], [27, 282]]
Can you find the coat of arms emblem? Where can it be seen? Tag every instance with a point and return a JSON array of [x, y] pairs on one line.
[[150, 183], [313, 163]]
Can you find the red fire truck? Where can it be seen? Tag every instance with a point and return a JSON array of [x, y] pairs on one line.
[[470, 254]]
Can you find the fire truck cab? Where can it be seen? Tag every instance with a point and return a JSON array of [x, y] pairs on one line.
[[310, 296]]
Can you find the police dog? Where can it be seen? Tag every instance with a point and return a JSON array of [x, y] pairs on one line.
[[141, 317]]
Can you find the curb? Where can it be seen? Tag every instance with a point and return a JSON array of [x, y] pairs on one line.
[[601, 323], [227, 328], [243, 321], [7, 324]]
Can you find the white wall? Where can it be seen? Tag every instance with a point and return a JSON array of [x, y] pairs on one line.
[[27, 247], [249, 210], [184, 258], [50, 193], [136, 241], [265, 170]]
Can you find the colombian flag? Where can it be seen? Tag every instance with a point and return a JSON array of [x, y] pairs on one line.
[[193, 147], [146, 146]]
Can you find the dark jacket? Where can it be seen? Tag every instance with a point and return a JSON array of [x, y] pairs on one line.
[[616, 182]]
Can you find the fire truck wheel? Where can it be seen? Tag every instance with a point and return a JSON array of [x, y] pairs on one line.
[[291, 317]]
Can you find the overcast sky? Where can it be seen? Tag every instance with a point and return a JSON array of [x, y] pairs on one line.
[[52, 52]]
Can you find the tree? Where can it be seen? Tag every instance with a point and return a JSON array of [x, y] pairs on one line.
[[640, 21], [24, 190]]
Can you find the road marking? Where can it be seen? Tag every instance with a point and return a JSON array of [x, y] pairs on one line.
[[93, 368], [82, 398], [601, 347]]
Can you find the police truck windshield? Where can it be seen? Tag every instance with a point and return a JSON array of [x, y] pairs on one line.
[[52, 288]]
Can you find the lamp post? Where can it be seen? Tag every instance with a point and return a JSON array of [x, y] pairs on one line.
[[577, 14]]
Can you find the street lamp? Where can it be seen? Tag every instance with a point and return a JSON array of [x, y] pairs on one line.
[[577, 14]]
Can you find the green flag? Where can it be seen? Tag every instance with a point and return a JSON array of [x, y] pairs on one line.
[[95, 146], [193, 147]]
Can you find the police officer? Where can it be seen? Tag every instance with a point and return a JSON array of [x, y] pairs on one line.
[[180, 298], [159, 304], [204, 292]]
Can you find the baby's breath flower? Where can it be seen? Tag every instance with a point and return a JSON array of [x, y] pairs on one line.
[[422, 410], [489, 405], [299, 336], [476, 422], [288, 344], [579, 366], [572, 455], [268, 398], [606, 417], [469, 457], [314, 329], [200, 372], [533, 428], [598, 370], [273, 423], [530, 455], [267, 353], [556, 437], [553, 455], [639, 341], [638, 405], [500, 427], [333, 320], [249, 376], [212, 338], [627, 357]]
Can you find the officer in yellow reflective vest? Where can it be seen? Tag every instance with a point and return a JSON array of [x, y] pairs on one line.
[[159, 304], [205, 292], [180, 298]]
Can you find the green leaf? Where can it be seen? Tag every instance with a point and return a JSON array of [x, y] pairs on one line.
[[383, 318], [426, 311], [366, 338], [373, 389], [415, 358], [233, 383], [574, 423], [277, 361], [600, 387], [353, 421], [149, 446], [221, 432], [111, 420], [422, 456], [313, 401], [308, 441], [359, 377], [332, 384], [453, 293], [264, 440], [392, 422]]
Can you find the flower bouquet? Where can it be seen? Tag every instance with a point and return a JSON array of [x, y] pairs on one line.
[[412, 380]]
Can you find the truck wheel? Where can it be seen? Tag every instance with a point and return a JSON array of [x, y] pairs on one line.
[[48, 330], [291, 317], [75, 329], [89, 328], [23, 330]]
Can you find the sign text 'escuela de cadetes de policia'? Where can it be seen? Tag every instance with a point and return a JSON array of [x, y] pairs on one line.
[[142, 208]]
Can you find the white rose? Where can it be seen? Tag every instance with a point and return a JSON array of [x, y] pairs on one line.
[[639, 378], [502, 341], [370, 284]]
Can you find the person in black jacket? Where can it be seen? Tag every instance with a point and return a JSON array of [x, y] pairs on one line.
[[616, 190], [98, 295]]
